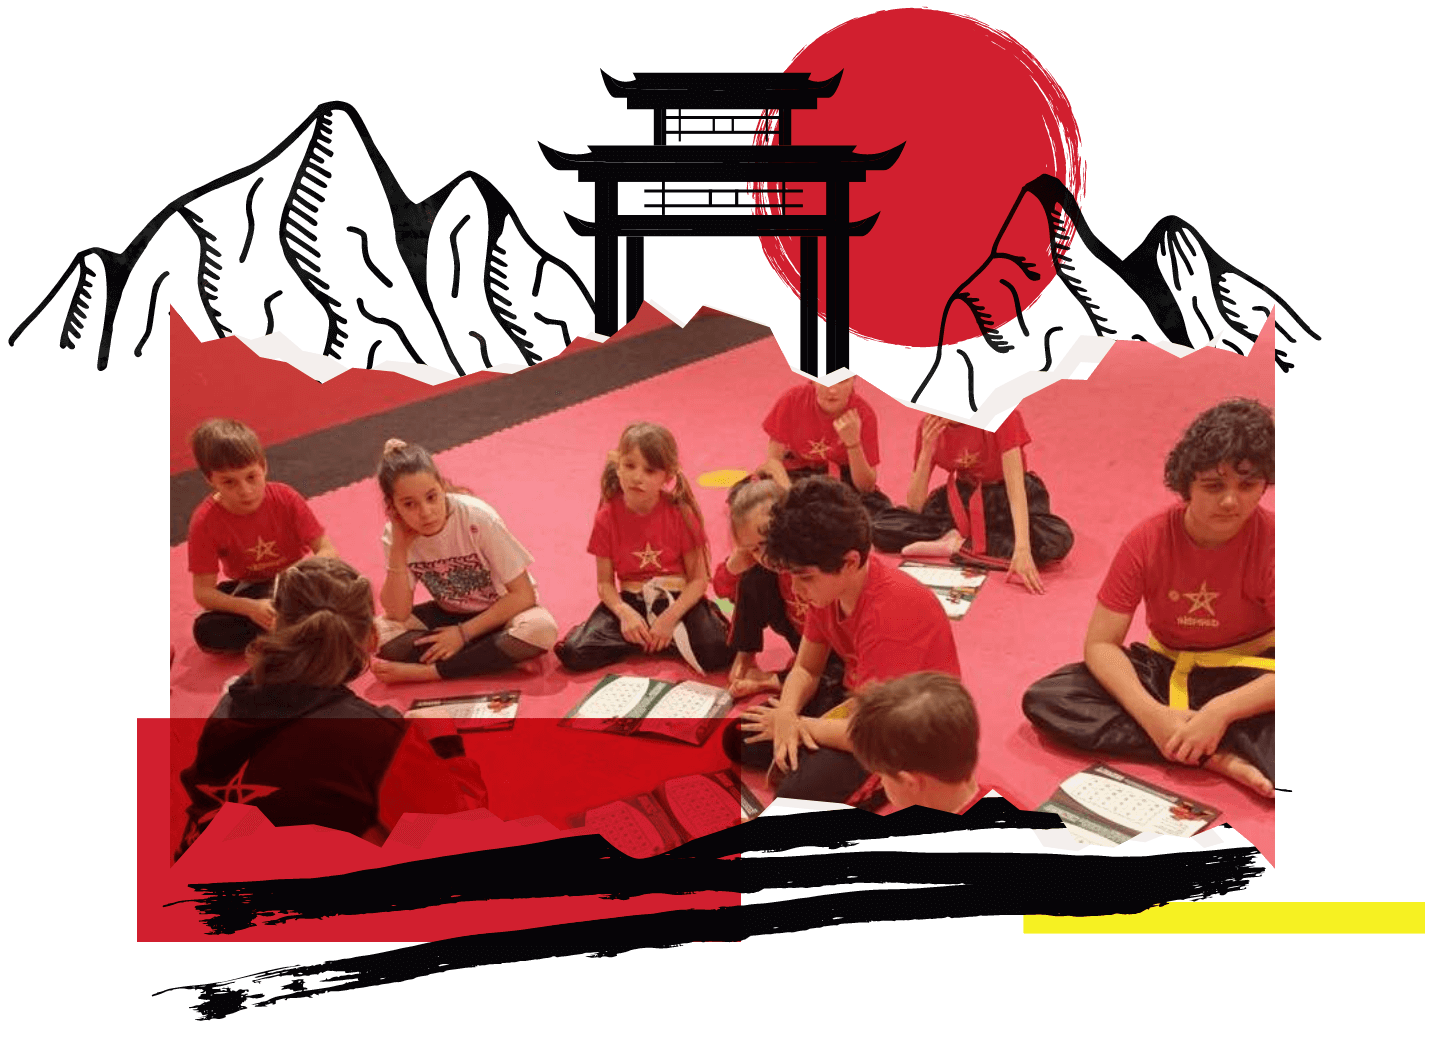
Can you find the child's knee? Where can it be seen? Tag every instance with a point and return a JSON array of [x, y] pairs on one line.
[[401, 648], [536, 627]]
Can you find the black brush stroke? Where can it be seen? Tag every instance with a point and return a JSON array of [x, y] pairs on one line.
[[269, 311], [368, 260], [369, 363], [249, 217], [454, 252], [1047, 347], [1016, 305], [208, 272], [562, 327], [389, 323], [150, 316], [786, 852], [817, 869], [1200, 317], [483, 348]]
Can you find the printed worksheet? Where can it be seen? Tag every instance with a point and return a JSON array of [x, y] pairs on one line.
[[615, 697], [474, 711], [1105, 806]]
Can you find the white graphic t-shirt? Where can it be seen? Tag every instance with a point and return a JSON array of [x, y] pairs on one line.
[[467, 566]]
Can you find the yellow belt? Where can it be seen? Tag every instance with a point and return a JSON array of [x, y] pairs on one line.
[[1242, 655]]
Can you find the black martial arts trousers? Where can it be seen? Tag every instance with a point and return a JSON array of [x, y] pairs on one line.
[[219, 632], [1050, 536], [1072, 707], [598, 642]]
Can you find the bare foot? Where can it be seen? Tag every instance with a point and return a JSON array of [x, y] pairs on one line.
[[1234, 767], [755, 682], [402, 671], [944, 546]]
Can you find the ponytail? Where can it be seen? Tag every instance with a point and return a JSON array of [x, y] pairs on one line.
[[687, 503], [324, 616], [608, 486], [318, 651], [401, 459]]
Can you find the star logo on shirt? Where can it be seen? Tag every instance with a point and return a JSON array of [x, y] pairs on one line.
[[263, 551], [1201, 600], [648, 557], [236, 790], [818, 449], [967, 460]]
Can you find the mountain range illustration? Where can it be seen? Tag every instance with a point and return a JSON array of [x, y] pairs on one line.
[[1173, 286], [317, 240]]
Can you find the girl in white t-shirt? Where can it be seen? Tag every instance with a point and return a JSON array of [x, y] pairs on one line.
[[484, 614]]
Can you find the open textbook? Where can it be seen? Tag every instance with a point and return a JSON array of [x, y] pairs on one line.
[[676, 811], [955, 585], [470, 711], [1105, 806], [687, 711]]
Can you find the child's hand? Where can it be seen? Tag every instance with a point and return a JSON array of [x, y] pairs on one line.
[[1196, 739], [1025, 568], [774, 470], [261, 612], [780, 725], [443, 644], [932, 427], [849, 427], [740, 560], [1163, 724], [401, 535], [635, 629], [660, 633]]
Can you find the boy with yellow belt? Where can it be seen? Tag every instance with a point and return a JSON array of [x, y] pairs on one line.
[[1202, 691]]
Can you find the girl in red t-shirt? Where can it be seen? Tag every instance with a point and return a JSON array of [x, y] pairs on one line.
[[1202, 690], [652, 560], [990, 506]]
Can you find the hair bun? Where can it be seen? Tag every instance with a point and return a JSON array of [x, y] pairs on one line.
[[394, 444]]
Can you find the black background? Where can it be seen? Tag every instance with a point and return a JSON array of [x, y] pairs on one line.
[[1212, 117]]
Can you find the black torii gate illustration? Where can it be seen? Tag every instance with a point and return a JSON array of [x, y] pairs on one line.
[[698, 212]]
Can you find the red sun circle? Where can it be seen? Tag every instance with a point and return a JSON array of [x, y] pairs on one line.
[[980, 117]]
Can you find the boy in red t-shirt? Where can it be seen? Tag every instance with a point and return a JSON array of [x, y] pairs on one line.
[[812, 428], [990, 504], [882, 622], [1203, 690], [251, 528], [918, 734]]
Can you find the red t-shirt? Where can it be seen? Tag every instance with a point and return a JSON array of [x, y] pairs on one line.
[[797, 423], [1196, 599], [896, 628], [973, 454], [643, 547], [254, 547], [725, 584]]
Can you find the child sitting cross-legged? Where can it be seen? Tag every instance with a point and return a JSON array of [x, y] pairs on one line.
[[918, 734], [251, 528], [484, 615]]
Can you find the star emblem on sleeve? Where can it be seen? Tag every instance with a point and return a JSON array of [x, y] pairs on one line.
[[1201, 600], [648, 557]]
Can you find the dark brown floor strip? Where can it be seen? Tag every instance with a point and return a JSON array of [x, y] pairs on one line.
[[327, 459]]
